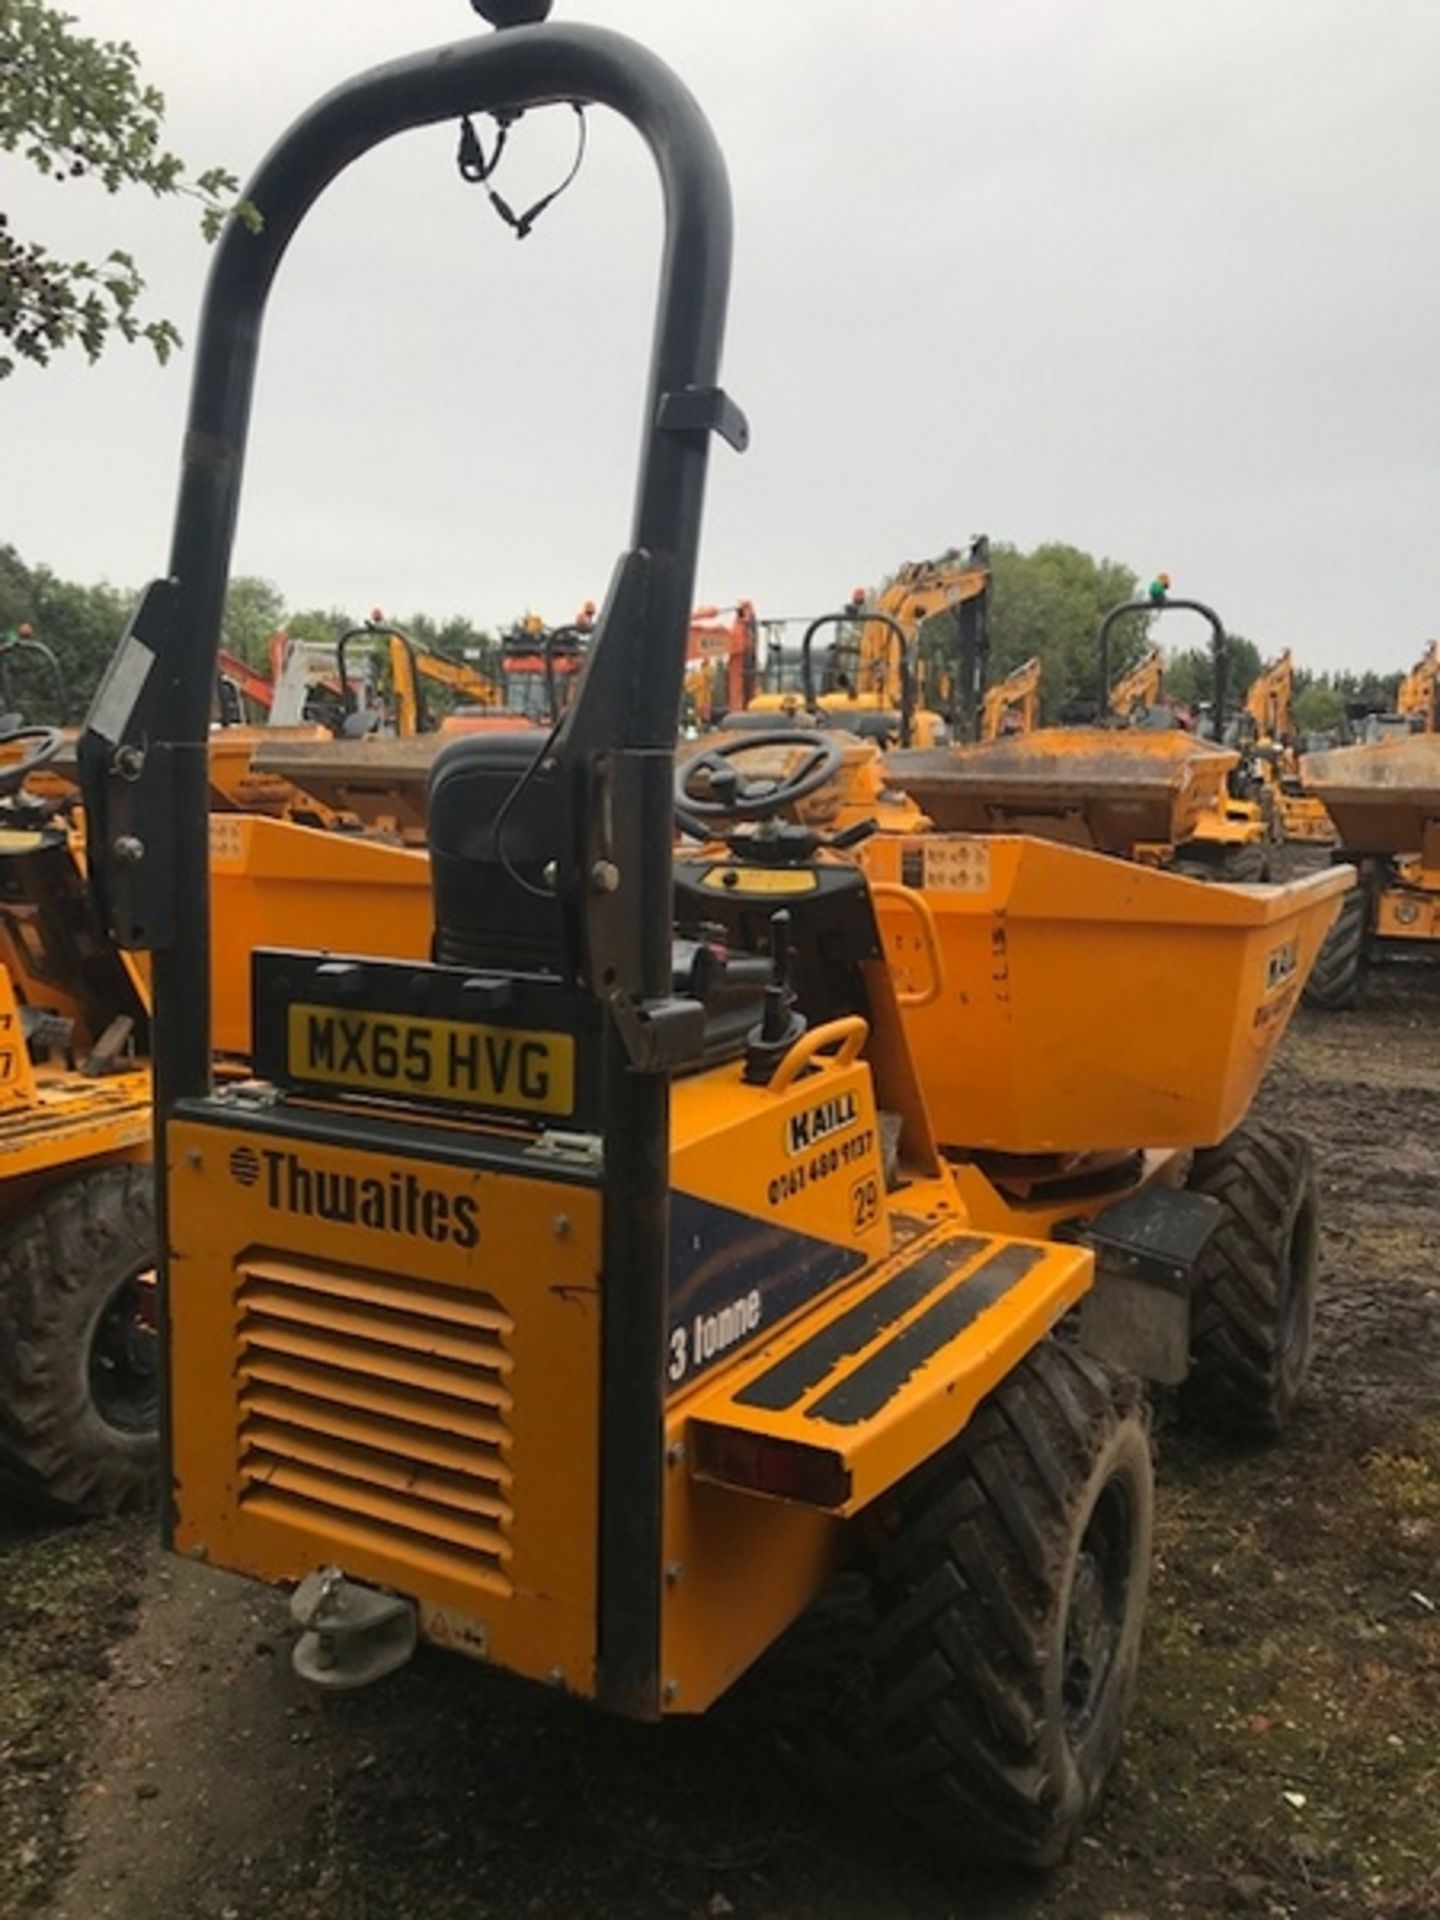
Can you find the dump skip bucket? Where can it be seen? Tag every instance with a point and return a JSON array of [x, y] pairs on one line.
[[381, 780], [278, 885], [1086, 786], [1086, 1003], [1381, 797]]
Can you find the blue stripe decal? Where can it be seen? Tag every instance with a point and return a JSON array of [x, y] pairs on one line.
[[733, 1277]]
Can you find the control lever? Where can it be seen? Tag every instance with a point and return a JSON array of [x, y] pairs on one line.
[[780, 1025], [852, 835]]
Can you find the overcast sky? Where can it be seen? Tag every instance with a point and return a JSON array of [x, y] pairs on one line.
[[1158, 277]]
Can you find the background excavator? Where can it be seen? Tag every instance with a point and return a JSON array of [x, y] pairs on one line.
[[1137, 696], [400, 671], [721, 662], [1273, 750], [1012, 705], [880, 646], [540, 666], [1419, 695]]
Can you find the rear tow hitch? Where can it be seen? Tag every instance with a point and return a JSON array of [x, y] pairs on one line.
[[351, 1635]]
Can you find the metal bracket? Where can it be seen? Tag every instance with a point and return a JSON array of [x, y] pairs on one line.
[[1147, 1249], [659, 1035], [352, 1635], [703, 410], [1156, 1236]]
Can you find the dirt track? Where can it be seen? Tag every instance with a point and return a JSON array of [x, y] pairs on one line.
[[1284, 1759]]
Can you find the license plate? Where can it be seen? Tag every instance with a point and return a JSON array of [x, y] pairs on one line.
[[396, 1055]]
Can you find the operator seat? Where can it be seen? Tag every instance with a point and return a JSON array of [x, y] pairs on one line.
[[495, 825]]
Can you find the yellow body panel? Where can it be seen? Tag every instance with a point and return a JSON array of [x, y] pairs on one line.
[[17, 1073], [275, 884], [1303, 817], [1238, 823], [236, 783], [54, 1122], [1035, 1044], [739, 1570], [806, 1157], [402, 1380], [1412, 911], [898, 1375]]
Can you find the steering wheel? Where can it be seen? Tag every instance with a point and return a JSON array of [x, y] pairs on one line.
[[710, 787], [41, 746]]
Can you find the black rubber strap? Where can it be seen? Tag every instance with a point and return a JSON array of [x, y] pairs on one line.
[[478, 170]]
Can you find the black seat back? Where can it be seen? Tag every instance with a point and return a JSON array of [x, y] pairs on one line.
[[495, 828]]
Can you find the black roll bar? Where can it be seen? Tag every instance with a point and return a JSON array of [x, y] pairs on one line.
[[144, 750], [157, 742], [25, 645], [906, 653], [380, 630], [1218, 641]]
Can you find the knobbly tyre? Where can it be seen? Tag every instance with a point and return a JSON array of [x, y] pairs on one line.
[[600, 1370]]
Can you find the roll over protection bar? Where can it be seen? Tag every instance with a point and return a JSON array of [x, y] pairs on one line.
[[143, 755], [907, 653], [1218, 641], [143, 751]]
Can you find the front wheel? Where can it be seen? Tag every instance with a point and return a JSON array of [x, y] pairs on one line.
[[1253, 1310], [1247, 866], [1338, 974], [79, 1389], [1010, 1598]]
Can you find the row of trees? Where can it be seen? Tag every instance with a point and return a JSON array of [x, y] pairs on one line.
[[81, 624], [79, 110], [1048, 602]]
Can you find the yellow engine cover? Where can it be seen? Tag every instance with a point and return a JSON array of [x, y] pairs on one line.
[[390, 1363]]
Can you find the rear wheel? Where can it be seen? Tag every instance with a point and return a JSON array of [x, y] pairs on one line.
[[1245, 866], [1009, 1603], [1338, 974], [79, 1389], [1253, 1313]]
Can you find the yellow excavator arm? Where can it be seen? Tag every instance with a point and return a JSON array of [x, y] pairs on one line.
[[1420, 689], [920, 589], [1270, 701], [1141, 687], [409, 663], [1012, 705]]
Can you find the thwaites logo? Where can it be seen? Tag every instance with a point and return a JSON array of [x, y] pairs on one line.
[[1280, 963], [811, 1125], [393, 1202]]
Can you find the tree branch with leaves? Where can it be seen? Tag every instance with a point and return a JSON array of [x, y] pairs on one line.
[[76, 108]]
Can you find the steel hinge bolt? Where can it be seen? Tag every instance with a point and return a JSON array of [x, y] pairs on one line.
[[604, 876], [672, 1689], [675, 1454], [673, 1572]]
